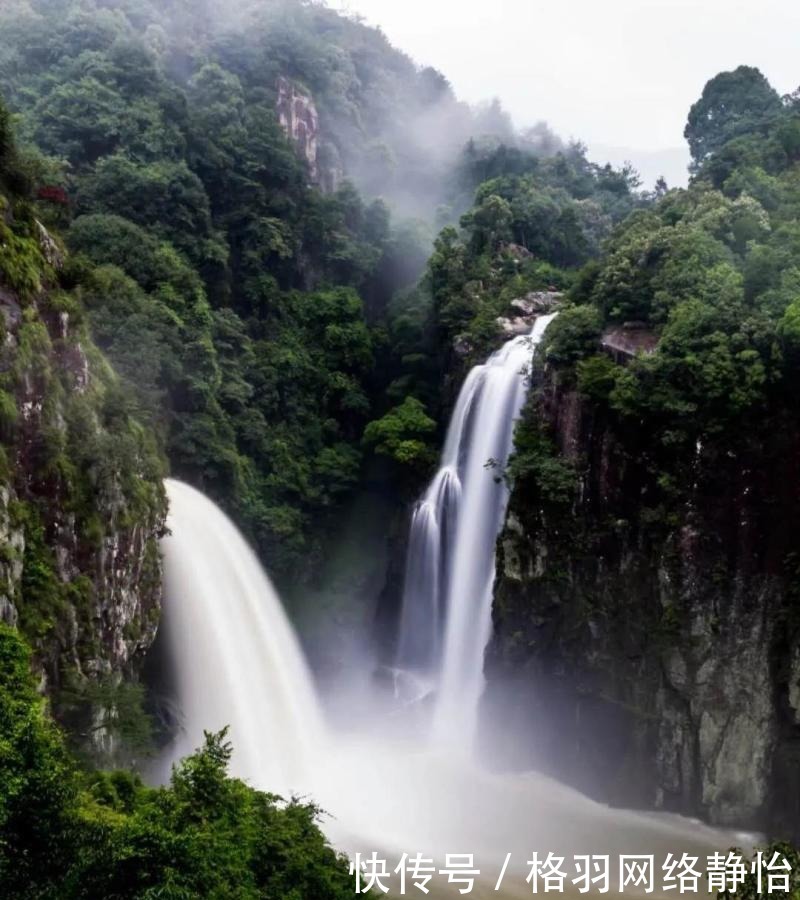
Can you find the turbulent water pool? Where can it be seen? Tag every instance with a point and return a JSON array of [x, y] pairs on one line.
[[237, 662]]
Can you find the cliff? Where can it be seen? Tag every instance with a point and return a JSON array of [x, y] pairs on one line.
[[653, 650], [81, 501], [298, 117]]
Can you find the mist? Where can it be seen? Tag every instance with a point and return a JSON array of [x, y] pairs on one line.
[[620, 76]]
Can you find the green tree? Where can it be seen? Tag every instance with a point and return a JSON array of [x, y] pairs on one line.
[[403, 435], [573, 335], [732, 104], [37, 782], [76, 836]]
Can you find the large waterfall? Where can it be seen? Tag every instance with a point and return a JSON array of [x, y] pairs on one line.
[[235, 656], [237, 662], [447, 598]]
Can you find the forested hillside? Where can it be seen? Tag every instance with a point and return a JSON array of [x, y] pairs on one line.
[[198, 213], [226, 285], [239, 281], [260, 313]]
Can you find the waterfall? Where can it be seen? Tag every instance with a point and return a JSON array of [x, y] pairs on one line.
[[237, 662], [447, 597], [234, 654]]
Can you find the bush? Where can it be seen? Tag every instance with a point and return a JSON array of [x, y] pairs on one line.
[[597, 376], [69, 836]]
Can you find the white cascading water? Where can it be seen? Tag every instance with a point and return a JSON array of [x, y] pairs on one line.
[[237, 662], [236, 658], [445, 620]]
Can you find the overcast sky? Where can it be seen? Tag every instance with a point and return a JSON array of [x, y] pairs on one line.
[[618, 74]]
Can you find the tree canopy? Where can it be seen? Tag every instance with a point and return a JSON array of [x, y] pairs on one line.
[[66, 835], [732, 104]]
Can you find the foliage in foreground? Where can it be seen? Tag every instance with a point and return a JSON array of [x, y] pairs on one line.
[[65, 835]]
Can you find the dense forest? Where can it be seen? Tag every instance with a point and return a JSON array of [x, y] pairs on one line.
[[259, 251], [254, 318], [223, 286]]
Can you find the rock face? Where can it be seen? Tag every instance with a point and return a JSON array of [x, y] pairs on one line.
[[81, 507], [297, 114], [654, 656], [300, 120], [624, 342], [524, 311]]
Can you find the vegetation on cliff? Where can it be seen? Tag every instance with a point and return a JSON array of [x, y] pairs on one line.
[[710, 272], [81, 500], [647, 578], [534, 222]]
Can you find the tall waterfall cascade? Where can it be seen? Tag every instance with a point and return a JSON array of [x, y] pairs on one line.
[[445, 621], [236, 659], [237, 663]]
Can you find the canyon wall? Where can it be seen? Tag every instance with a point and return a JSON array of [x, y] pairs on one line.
[[653, 652], [81, 500]]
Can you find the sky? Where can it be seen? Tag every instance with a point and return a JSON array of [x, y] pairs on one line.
[[620, 75]]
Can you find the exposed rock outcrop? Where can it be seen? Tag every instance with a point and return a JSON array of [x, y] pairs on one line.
[[298, 116], [628, 340], [525, 310], [462, 346]]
